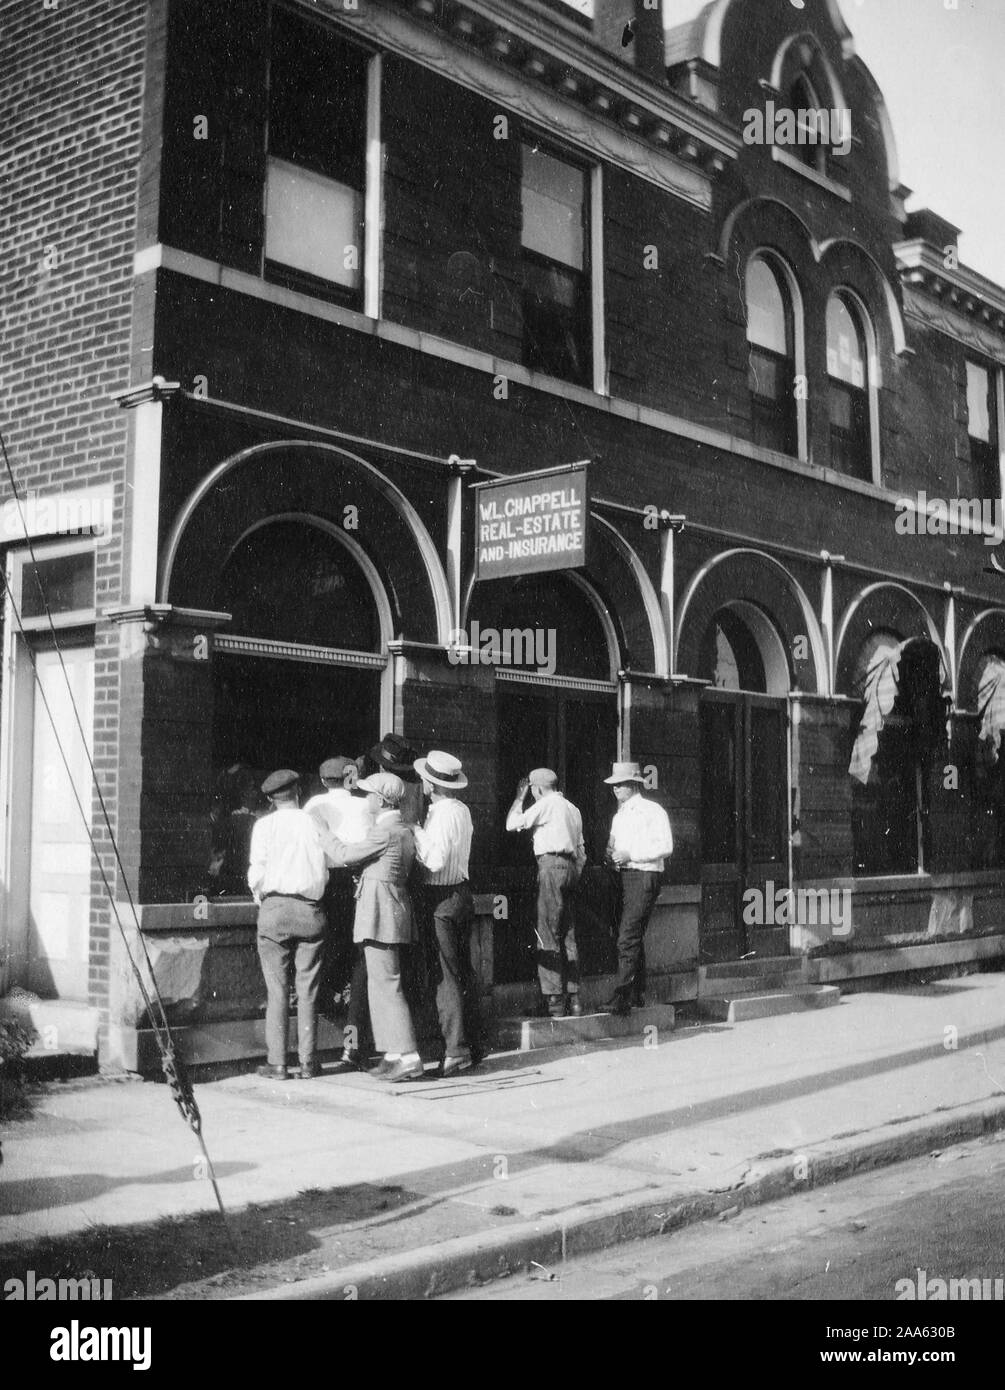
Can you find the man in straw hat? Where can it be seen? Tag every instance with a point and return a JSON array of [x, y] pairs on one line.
[[384, 922], [287, 874], [557, 829], [640, 843], [443, 847]]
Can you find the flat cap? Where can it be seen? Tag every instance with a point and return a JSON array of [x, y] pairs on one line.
[[385, 784], [543, 777], [279, 781], [333, 769]]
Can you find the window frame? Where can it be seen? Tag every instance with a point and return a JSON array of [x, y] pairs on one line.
[[991, 465], [20, 558], [365, 297], [867, 395], [593, 375], [792, 301]]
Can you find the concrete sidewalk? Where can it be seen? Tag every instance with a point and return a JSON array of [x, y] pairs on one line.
[[533, 1154]]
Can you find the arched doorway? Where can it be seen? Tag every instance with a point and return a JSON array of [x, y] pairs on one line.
[[300, 673], [557, 706], [744, 783]]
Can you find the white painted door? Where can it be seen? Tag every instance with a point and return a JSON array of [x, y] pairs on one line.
[[59, 897]]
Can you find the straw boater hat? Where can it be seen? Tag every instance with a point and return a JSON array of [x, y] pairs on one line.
[[624, 772], [442, 769]]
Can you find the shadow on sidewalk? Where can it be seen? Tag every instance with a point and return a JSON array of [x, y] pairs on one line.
[[20, 1195]]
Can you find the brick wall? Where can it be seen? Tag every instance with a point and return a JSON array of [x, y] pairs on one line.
[[70, 94]]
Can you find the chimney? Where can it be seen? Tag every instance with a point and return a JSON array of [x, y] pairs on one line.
[[632, 30]]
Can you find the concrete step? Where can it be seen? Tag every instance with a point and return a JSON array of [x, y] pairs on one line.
[[528, 1034], [740, 1008], [756, 965], [730, 985]]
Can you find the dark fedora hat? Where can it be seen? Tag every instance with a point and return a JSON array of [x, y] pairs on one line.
[[392, 754]]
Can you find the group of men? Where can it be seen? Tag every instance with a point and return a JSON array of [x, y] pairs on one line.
[[374, 827]]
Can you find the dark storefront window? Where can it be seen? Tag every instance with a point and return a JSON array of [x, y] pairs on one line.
[[286, 690], [317, 160], [556, 270], [772, 369], [848, 375]]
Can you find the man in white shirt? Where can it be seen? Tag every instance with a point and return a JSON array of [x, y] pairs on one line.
[[287, 874], [443, 848], [557, 829], [640, 843], [340, 812]]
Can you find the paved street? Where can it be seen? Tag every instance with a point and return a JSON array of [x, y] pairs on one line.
[[944, 1214]]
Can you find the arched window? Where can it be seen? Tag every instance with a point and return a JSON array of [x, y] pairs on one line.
[[772, 366], [298, 672], [848, 373], [803, 100]]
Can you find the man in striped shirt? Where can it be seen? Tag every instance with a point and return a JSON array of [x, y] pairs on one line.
[[443, 848]]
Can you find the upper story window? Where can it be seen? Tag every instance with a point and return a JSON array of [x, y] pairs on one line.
[[803, 100], [848, 373], [317, 160], [982, 427], [556, 266], [772, 366]]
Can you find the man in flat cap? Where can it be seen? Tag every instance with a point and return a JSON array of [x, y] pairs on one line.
[[640, 843], [557, 829], [287, 874], [341, 813], [443, 848], [345, 815]]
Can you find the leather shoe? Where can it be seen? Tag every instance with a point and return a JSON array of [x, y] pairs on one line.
[[405, 1071], [382, 1068], [452, 1065], [310, 1070], [575, 1006], [273, 1073]]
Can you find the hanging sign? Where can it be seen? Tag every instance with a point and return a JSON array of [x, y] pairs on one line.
[[532, 522]]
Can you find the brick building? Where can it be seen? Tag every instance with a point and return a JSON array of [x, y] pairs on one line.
[[283, 281]]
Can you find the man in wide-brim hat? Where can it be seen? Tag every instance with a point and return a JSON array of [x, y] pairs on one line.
[[640, 843], [556, 827], [392, 754], [443, 848]]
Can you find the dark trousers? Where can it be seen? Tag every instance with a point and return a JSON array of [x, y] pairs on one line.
[[277, 957], [449, 911], [639, 891], [356, 1033], [557, 953]]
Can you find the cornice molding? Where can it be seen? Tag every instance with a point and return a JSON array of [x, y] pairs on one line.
[[923, 269], [954, 324], [600, 112]]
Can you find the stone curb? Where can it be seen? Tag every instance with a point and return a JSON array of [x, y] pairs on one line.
[[433, 1270]]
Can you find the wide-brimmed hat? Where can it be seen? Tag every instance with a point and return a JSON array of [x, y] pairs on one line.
[[392, 754], [385, 784], [279, 781], [624, 772], [442, 769]]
